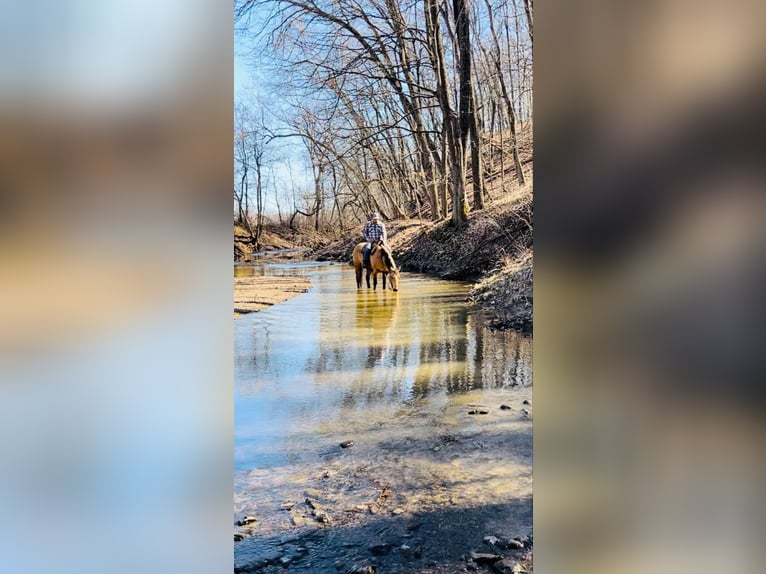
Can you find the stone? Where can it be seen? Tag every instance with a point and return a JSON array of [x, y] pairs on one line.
[[491, 540], [397, 511], [362, 570], [515, 544], [505, 407], [479, 412], [525, 402], [508, 566], [484, 558], [322, 516], [347, 444], [246, 520], [238, 537]]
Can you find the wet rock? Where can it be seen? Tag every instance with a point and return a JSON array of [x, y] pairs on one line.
[[525, 413], [491, 540], [505, 407], [525, 402], [347, 444], [479, 412], [484, 558], [238, 537], [515, 544], [508, 566], [313, 493], [362, 570], [397, 511], [246, 520], [318, 511], [287, 506], [297, 521], [322, 516]]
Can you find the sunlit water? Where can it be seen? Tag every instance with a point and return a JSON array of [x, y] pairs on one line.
[[336, 354]]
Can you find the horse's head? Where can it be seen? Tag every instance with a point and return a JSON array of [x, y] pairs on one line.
[[393, 279], [393, 270]]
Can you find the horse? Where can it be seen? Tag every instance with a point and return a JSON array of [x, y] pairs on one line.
[[381, 261]]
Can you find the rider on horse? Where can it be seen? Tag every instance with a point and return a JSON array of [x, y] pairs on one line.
[[372, 231]]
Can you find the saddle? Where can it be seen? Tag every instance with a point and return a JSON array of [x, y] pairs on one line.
[[366, 253]]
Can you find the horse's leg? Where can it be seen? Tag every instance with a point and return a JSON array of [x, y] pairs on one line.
[[384, 281], [374, 280], [358, 269], [368, 278]]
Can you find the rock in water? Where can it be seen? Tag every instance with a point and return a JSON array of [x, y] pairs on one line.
[[479, 412], [483, 558], [246, 520], [347, 444], [508, 566]]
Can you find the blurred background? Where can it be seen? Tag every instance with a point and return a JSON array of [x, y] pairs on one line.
[[116, 282], [115, 234], [649, 208]]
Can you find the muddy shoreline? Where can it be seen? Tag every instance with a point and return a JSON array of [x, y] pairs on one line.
[[455, 498]]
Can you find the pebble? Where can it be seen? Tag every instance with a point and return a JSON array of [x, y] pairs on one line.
[[526, 402], [347, 444], [246, 520], [397, 511], [515, 544], [238, 537], [491, 540], [322, 516], [479, 412], [313, 493], [505, 407], [508, 566]]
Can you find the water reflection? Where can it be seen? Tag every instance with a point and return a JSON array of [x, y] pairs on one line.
[[337, 353]]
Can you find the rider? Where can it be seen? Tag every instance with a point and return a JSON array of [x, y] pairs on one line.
[[372, 231]]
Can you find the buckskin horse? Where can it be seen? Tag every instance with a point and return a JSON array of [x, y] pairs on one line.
[[381, 261]]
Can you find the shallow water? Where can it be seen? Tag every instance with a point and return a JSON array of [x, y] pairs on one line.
[[395, 373]]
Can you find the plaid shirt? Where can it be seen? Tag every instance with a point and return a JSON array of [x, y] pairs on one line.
[[374, 231]]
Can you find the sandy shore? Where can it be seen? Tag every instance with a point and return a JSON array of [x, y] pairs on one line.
[[254, 293]]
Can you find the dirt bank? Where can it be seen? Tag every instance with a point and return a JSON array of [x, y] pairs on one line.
[[494, 249]]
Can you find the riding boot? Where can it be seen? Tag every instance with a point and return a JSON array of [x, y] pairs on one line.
[[366, 255]]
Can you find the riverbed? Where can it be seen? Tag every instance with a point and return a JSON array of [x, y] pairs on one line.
[[378, 430]]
